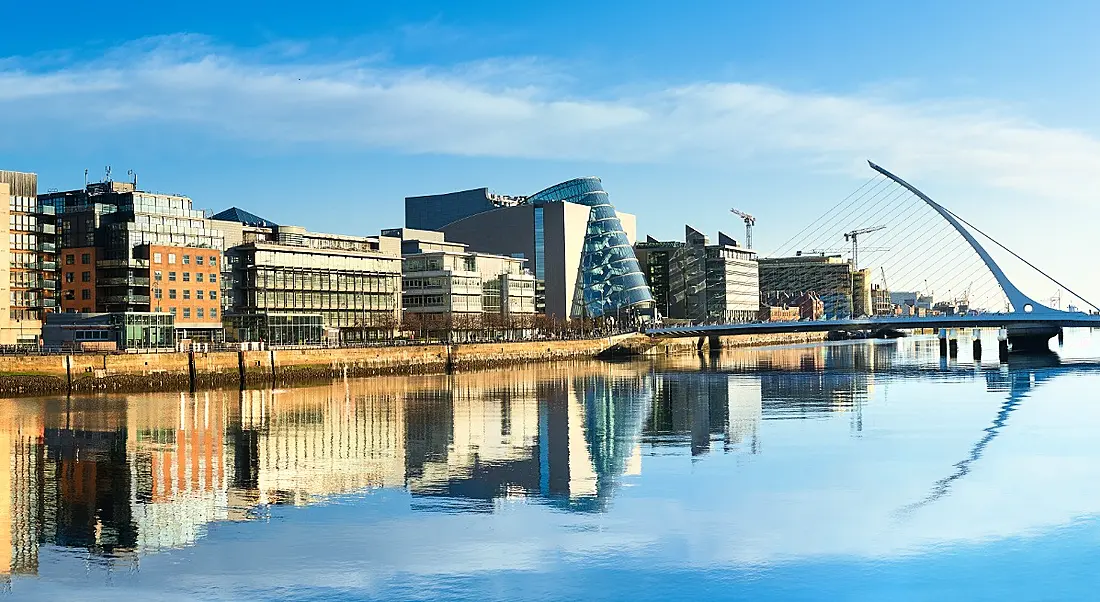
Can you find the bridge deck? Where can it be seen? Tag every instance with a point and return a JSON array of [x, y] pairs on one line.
[[1004, 320]]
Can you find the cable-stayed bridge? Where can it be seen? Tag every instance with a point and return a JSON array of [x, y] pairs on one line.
[[916, 264]]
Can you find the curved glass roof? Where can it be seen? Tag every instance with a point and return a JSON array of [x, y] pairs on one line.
[[610, 279]]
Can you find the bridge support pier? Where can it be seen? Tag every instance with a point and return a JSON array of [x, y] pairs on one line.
[[1032, 338], [953, 343], [1002, 345], [977, 336], [943, 342]]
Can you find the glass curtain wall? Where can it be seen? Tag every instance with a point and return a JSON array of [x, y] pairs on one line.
[[610, 279]]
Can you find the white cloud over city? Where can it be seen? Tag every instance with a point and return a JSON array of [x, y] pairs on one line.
[[526, 108]]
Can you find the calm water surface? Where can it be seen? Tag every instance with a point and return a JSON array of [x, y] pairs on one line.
[[862, 470]]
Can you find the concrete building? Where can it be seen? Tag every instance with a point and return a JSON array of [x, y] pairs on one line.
[[700, 282], [125, 250], [577, 245], [352, 282], [861, 293], [829, 277], [28, 252], [448, 288]]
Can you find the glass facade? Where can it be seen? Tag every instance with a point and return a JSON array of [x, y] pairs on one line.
[[540, 245], [610, 279], [357, 293], [277, 329]]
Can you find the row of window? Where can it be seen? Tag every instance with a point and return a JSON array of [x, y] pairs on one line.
[[322, 281], [200, 312], [199, 259], [85, 294], [85, 258], [84, 276], [158, 293], [159, 275]]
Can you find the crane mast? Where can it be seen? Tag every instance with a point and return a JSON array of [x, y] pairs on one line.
[[750, 221], [854, 237]]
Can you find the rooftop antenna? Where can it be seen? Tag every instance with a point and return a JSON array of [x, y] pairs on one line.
[[108, 173], [133, 177], [85, 177]]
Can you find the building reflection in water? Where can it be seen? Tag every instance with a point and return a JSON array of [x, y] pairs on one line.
[[125, 476]]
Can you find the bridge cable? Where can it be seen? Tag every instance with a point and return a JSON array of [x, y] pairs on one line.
[[1029, 264]]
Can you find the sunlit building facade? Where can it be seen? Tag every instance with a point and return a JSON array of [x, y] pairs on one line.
[[578, 247]]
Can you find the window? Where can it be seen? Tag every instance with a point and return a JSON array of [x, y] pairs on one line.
[[70, 259], [187, 276], [187, 312], [158, 258], [85, 276], [186, 293], [157, 293], [70, 295], [199, 313], [198, 294], [213, 313], [213, 295], [172, 310], [70, 276], [158, 275], [85, 258], [171, 276], [171, 293], [213, 277], [198, 276], [186, 260], [540, 245], [198, 261], [85, 294], [171, 258]]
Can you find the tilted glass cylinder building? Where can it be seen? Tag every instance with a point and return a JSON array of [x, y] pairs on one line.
[[609, 279], [578, 247]]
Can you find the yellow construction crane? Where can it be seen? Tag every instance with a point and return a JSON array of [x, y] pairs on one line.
[[750, 221]]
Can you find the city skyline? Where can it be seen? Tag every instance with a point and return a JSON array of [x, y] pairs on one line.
[[392, 102]]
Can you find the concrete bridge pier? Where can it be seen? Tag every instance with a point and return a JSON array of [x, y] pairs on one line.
[[943, 342], [977, 336], [1002, 345], [953, 343], [1032, 338]]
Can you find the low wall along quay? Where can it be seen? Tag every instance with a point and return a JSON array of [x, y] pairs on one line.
[[43, 374]]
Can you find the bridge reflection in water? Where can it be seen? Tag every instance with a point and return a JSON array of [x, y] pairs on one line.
[[120, 477]]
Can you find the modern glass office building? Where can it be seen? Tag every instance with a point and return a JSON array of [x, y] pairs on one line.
[[609, 280], [576, 244]]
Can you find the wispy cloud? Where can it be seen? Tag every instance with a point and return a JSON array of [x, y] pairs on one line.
[[527, 108]]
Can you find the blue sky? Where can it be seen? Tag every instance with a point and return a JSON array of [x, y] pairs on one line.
[[328, 117]]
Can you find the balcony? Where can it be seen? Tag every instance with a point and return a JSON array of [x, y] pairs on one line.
[[47, 210], [127, 281], [48, 266], [127, 300], [122, 263], [49, 284], [47, 228], [47, 302], [47, 247]]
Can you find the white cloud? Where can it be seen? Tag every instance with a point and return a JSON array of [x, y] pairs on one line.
[[505, 108]]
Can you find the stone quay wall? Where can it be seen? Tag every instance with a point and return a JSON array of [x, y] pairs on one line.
[[87, 372]]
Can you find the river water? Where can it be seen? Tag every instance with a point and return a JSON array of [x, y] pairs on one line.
[[864, 470]]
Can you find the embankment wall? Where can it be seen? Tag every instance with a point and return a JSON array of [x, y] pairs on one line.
[[44, 374]]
